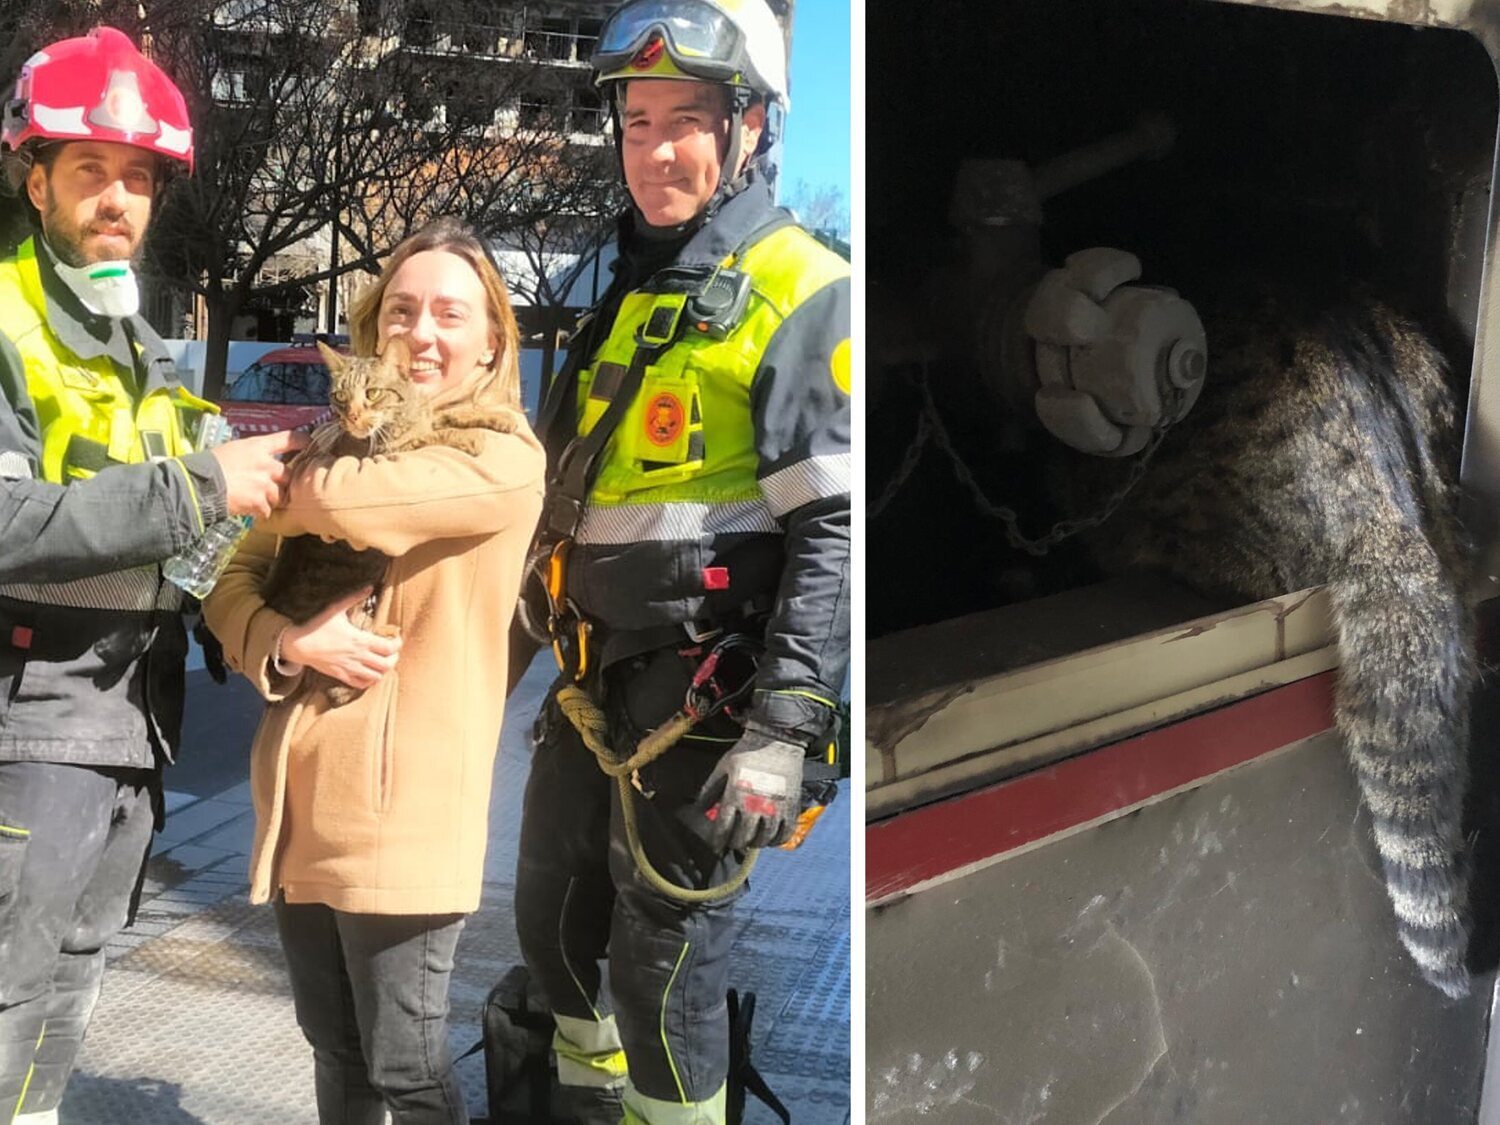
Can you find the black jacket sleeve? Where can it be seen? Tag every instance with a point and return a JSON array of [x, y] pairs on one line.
[[126, 516], [800, 401]]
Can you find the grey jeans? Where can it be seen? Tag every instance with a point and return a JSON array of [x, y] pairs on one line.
[[371, 994]]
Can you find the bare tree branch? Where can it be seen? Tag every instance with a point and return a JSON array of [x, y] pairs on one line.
[[822, 208], [325, 118], [360, 121]]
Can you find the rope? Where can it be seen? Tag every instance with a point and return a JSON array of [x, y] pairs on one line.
[[588, 720]]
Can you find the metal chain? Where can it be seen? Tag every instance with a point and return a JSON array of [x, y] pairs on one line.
[[908, 465], [931, 425]]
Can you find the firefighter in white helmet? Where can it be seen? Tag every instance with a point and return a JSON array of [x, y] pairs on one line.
[[99, 483], [695, 547]]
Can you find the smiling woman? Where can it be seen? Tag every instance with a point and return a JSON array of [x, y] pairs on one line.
[[443, 293], [436, 302], [372, 810]]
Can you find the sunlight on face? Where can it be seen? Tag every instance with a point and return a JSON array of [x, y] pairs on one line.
[[438, 303], [95, 200], [674, 136]]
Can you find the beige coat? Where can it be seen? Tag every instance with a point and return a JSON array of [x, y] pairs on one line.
[[381, 806]]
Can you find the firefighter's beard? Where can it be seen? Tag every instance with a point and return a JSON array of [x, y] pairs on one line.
[[72, 243]]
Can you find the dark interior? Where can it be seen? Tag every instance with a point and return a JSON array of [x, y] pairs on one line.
[[1319, 150]]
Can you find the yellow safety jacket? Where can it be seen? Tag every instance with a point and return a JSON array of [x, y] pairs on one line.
[[723, 490], [659, 454], [89, 409], [91, 636]]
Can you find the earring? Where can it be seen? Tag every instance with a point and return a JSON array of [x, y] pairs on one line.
[[486, 358]]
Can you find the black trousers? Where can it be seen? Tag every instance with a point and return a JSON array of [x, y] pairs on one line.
[[73, 843], [580, 899], [371, 993]]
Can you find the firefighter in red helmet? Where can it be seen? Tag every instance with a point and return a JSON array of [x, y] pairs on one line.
[[99, 484]]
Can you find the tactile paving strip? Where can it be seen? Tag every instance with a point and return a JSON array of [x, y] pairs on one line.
[[810, 1036]]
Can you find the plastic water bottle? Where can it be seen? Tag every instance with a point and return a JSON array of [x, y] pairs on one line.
[[198, 568]]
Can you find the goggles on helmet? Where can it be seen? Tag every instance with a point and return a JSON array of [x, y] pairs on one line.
[[700, 40]]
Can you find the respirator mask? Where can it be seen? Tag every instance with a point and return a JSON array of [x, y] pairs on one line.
[[105, 288]]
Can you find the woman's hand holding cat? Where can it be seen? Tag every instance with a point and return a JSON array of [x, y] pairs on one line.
[[254, 473], [335, 646]]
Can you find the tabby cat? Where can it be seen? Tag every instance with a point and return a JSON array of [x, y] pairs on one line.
[[1324, 450], [377, 409]]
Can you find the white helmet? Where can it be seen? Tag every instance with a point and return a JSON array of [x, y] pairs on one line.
[[731, 42]]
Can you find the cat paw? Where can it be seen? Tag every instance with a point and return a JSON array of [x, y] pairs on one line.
[[461, 440], [340, 695]]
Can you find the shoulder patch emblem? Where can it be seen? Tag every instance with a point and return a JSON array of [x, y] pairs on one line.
[[664, 418], [839, 365]]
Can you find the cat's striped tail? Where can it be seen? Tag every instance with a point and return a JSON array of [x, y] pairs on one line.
[[1402, 707]]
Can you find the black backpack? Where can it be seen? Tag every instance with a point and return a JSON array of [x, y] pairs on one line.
[[516, 1030]]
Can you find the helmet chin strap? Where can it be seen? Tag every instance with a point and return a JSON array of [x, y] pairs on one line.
[[730, 171]]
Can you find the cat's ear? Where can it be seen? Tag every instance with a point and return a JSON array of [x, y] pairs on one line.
[[334, 360], [396, 355]]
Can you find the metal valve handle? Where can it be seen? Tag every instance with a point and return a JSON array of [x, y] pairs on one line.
[[1116, 362]]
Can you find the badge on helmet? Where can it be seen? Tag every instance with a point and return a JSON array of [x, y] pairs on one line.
[[649, 55], [731, 42]]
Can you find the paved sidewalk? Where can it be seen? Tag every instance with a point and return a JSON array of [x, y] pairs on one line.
[[196, 1026]]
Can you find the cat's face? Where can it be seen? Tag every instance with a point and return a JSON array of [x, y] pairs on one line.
[[373, 396]]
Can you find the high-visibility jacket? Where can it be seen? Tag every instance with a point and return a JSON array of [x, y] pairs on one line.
[[98, 485], [725, 484]]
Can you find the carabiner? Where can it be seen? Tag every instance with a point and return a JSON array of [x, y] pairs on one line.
[[560, 625], [557, 563]]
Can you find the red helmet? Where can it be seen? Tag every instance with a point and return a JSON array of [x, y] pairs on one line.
[[97, 87]]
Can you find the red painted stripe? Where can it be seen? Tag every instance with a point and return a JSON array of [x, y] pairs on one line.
[[924, 843]]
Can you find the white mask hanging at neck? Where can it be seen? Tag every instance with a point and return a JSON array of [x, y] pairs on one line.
[[105, 288]]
